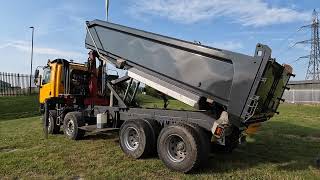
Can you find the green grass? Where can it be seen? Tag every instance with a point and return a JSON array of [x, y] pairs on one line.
[[152, 102], [285, 148], [14, 107]]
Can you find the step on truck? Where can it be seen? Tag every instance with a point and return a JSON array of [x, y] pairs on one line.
[[231, 94]]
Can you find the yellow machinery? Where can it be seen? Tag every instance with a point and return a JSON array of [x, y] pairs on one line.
[[52, 81], [68, 87]]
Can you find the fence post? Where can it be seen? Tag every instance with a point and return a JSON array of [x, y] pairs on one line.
[[25, 79], [1, 83], [6, 84], [14, 84], [30, 85], [293, 96], [24, 84], [312, 95], [18, 84], [10, 85]]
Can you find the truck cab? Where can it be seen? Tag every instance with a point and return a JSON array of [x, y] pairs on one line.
[[51, 84], [61, 78], [65, 86]]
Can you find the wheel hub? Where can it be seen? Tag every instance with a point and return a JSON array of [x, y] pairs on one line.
[[176, 148], [180, 146], [70, 128], [131, 140]]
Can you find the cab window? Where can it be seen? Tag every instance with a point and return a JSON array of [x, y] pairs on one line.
[[46, 75]]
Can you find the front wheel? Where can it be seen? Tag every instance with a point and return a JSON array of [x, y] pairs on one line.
[[53, 128]]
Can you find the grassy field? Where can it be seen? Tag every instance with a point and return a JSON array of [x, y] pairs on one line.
[[18, 107], [285, 148], [151, 102]]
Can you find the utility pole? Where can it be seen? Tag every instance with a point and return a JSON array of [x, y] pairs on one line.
[[313, 72], [107, 10], [31, 60]]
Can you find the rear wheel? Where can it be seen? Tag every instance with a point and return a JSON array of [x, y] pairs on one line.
[[205, 139], [179, 147], [136, 138], [71, 124], [155, 128]]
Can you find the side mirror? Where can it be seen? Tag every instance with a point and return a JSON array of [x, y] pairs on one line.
[[36, 77], [35, 82], [36, 74]]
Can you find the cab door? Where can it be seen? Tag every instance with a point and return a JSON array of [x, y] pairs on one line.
[[45, 85]]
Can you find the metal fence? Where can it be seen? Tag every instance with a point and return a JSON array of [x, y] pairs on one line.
[[13, 84], [303, 96]]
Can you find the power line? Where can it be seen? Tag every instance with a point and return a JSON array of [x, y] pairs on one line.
[[289, 44]]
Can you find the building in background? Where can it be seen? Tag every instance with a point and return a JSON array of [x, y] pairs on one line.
[[303, 92]]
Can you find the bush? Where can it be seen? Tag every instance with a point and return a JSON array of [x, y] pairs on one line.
[[152, 92]]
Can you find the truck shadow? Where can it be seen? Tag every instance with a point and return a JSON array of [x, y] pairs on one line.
[[288, 147], [102, 135]]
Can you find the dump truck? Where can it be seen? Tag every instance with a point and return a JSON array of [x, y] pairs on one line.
[[231, 94]]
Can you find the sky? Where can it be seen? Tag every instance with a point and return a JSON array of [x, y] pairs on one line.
[[236, 25]]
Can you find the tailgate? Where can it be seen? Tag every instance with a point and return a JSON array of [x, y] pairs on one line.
[[270, 90]]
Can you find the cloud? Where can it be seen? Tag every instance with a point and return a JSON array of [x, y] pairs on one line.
[[5, 45], [25, 47], [66, 16], [227, 45], [246, 12]]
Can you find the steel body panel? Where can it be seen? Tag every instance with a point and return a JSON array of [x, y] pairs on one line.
[[164, 116], [227, 77], [165, 87]]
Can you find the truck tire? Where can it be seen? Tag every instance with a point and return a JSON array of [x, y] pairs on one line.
[[71, 124], [53, 128], [136, 138], [231, 142], [155, 128], [179, 148], [205, 143]]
